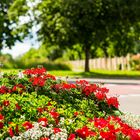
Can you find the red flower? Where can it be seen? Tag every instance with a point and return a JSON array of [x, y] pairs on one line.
[[38, 81], [18, 87], [71, 137], [100, 96], [89, 89], [43, 121], [6, 103], [49, 76], [1, 117], [44, 139], [100, 122], [92, 134], [17, 130], [82, 82], [113, 101], [27, 125], [3, 90], [1, 125], [14, 88], [55, 115], [56, 121], [11, 133], [35, 71], [111, 128], [0, 108], [76, 113], [18, 107], [49, 104], [108, 135], [40, 110], [56, 130], [103, 90], [68, 86], [84, 132]]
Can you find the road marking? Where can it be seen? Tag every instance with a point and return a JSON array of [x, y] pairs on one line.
[[132, 95]]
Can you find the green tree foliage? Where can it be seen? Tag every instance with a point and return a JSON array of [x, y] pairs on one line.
[[88, 23], [7, 60], [7, 38]]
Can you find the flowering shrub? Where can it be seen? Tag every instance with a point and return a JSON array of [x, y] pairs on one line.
[[39, 107]]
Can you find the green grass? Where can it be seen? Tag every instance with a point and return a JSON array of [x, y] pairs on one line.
[[99, 74], [92, 74]]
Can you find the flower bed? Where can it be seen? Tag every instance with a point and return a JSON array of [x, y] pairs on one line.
[[39, 107]]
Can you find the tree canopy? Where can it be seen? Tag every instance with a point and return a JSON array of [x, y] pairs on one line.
[[7, 37], [86, 22]]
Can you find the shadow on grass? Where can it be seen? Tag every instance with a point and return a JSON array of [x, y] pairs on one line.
[[106, 75]]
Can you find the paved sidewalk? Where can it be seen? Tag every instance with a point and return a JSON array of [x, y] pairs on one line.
[[130, 103]]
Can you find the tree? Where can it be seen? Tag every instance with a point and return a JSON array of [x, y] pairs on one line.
[[7, 38], [84, 22]]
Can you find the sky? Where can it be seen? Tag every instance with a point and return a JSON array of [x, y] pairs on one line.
[[21, 48]]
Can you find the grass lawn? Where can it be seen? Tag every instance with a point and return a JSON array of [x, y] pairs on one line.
[[92, 74], [100, 74]]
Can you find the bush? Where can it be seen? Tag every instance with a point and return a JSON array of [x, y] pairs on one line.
[[23, 64], [135, 62], [39, 107]]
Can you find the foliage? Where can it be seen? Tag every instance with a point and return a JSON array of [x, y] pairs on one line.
[[7, 38], [87, 23], [7, 61], [63, 110], [135, 62]]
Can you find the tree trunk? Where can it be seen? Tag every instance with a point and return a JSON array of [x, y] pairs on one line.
[[87, 53]]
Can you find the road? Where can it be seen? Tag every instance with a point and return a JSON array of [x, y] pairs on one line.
[[123, 89], [128, 95]]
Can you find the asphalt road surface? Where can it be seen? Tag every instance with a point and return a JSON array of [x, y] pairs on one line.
[[128, 95]]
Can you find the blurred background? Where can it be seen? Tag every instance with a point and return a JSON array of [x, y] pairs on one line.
[[81, 38]]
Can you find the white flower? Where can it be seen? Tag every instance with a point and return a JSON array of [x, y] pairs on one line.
[[20, 75], [8, 138]]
